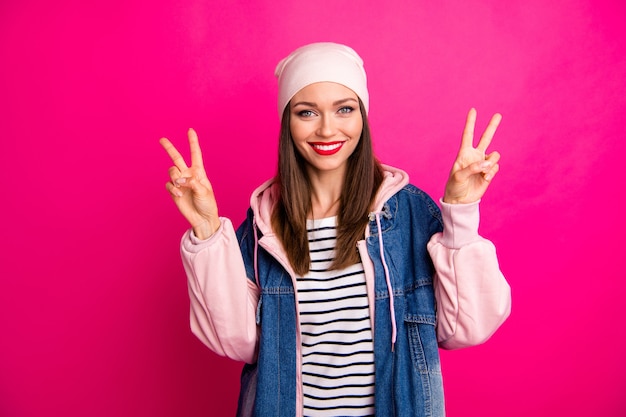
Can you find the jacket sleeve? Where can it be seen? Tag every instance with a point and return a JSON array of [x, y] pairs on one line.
[[223, 300], [473, 297]]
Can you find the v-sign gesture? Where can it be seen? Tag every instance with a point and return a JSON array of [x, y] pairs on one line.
[[473, 168], [190, 188]]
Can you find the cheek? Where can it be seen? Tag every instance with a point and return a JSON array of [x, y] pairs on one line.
[[357, 129], [297, 132]]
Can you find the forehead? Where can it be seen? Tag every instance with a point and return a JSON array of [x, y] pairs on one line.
[[324, 91]]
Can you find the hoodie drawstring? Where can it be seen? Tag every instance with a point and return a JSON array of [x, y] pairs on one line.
[[256, 250], [392, 312], [256, 269]]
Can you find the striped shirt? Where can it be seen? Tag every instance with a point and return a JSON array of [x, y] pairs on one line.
[[337, 346]]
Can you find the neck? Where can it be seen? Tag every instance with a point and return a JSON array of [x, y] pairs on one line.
[[322, 209], [325, 196]]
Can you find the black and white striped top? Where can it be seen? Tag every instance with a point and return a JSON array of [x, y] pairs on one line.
[[337, 346]]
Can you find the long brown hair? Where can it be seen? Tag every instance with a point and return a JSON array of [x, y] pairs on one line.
[[363, 177]]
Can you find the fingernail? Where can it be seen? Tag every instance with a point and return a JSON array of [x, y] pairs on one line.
[[181, 180]]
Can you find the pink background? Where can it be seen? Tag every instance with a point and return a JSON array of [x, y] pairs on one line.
[[93, 299]]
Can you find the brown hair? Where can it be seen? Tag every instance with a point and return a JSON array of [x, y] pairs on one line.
[[363, 177]]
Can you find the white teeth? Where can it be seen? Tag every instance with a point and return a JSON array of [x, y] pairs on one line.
[[327, 147]]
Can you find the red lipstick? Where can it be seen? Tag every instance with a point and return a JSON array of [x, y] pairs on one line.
[[326, 148]]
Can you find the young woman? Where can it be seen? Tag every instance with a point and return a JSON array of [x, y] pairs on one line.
[[344, 280]]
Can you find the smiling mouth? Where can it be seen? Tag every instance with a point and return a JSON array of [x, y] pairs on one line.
[[326, 148]]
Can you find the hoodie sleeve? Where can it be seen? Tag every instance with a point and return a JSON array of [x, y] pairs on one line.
[[223, 300], [473, 297]]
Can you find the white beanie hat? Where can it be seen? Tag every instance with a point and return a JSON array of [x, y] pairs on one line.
[[319, 62]]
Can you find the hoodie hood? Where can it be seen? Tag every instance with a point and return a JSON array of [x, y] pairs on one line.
[[265, 196]]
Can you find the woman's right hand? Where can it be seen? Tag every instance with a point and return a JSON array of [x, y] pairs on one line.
[[191, 190]]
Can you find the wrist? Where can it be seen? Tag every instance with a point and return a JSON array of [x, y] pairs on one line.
[[468, 199], [452, 200], [204, 229]]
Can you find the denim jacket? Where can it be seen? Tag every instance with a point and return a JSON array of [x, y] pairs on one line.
[[403, 236]]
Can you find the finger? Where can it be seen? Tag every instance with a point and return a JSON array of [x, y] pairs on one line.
[[492, 169], [189, 183], [490, 131], [174, 192], [196, 152], [488, 176], [176, 157], [468, 132], [174, 174], [186, 182], [493, 157], [477, 168]]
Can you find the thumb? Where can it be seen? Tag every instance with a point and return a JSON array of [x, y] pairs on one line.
[[199, 187], [475, 168]]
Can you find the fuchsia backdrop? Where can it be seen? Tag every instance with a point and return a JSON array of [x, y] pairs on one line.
[[93, 300]]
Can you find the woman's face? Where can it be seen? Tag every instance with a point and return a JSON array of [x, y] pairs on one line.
[[326, 125]]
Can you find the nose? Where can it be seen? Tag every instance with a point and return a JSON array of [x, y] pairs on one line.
[[326, 127]]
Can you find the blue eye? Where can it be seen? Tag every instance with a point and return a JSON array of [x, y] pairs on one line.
[[346, 110], [305, 113]]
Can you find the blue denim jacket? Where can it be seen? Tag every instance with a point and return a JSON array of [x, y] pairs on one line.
[[408, 373]]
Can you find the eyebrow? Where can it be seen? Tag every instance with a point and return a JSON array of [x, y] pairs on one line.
[[336, 103]]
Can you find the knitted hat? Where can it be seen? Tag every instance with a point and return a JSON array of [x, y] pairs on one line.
[[318, 62]]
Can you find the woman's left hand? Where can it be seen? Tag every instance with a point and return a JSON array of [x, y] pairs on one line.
[[473, 168]]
